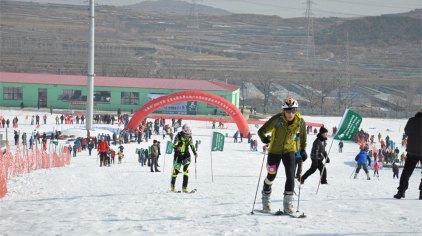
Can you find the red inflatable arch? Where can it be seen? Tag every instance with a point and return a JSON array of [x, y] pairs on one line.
[[198, 96]]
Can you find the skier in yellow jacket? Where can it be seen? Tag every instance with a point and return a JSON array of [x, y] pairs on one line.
[[282, 147]]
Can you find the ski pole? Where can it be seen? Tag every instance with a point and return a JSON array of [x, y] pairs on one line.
[[298, 197], [323, 167], [322, 174], [172, 170], [164, 165], [257, 186], [195, 170], [354, 169]]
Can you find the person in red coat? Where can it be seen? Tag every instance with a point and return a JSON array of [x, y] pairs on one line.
[[103, 148]]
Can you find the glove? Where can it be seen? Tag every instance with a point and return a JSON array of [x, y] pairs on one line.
[[303, 154], [328, 160], [266, 140]]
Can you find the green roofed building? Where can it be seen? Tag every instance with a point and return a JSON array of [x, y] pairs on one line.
[[110, 93]]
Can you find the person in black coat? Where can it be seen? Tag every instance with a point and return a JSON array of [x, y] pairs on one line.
[[318, 154], [413, 130], [340, 146]]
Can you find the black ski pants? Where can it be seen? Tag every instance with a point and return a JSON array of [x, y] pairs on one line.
[[181, 160], [363, 166], [316, 164], [409, 166], [273, 163], [103, 158]]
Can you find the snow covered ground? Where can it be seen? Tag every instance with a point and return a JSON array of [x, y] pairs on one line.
[[126, 199]]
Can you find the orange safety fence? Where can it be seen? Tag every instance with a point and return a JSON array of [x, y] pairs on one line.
[[27, 160]]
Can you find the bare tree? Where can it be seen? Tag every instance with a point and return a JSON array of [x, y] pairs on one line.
[[266, 80], [310, 93]]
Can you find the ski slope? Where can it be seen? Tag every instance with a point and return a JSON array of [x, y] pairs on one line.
[[127, 199]]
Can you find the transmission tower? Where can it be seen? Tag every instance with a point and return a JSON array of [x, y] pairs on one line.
[[193, 28], [347, 57], [310, 42]]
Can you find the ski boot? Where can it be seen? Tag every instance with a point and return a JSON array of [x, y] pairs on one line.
[[367, 177], [288, 203], [399, 195], [173, 188], [420, 195], [266, 200], [356, 176], [185, 189]]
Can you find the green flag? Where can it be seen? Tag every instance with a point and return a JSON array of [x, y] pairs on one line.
[[169, 148], [217, 142], [349, 125]]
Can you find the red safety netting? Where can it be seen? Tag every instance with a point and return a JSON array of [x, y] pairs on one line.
[[26, 160]]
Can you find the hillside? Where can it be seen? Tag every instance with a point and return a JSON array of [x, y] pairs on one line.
[[175, 7], [237, 48], [417, 13], [378, 30]]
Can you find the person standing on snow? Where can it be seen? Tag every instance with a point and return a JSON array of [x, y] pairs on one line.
[[103, 148], [340, 146], [376, 168], [318, 154], [363, 159], [120, 155], [283, 127], [182, 142], [154, 156], [45, 118], [396, 169], [413, 130]]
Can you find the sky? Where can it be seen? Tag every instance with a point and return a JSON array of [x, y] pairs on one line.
[[288, 8]]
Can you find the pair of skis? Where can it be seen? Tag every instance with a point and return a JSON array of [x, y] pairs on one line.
[[180, 191], [281, 213]]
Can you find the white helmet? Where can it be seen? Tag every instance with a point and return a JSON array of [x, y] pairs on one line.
[[289, 103], [187, 129]]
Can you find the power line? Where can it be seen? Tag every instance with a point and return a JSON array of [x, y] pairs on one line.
[[193, 27], [310, 40]]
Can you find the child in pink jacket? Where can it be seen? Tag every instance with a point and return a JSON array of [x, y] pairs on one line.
[[376, 168]]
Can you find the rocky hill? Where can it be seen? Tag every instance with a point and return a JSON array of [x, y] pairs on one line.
[[175, 7], [378, 30], [268, 51]]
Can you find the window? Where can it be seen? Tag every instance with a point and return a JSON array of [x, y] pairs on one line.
[[70, 94], [102, 96], [130, 98], [12, 93]]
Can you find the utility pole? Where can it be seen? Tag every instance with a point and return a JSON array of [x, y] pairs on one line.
[[91, 74], [348, 77]]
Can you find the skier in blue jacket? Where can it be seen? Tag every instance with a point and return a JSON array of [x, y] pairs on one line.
[[363, 159]]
